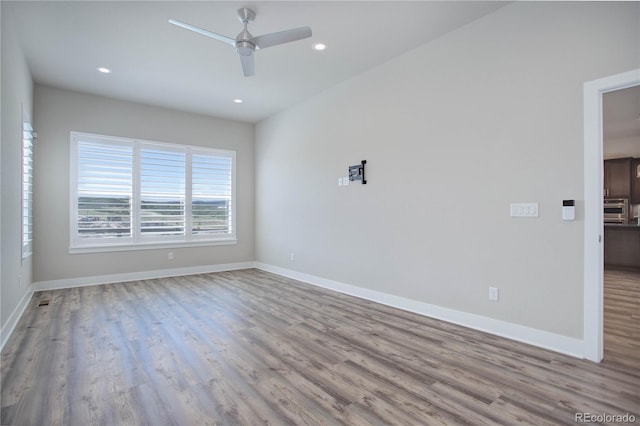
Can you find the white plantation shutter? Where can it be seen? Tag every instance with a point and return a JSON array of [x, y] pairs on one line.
[[104, 189], [162, 191], [141, 193], [212, 188], [27, 189]]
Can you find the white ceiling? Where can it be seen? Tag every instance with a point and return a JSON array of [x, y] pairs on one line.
[[156, 63]]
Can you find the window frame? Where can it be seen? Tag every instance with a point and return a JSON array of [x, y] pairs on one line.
[[138, 241]]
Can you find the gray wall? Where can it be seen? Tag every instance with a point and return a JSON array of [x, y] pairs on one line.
[[453, 132], [17, 92], [621, 123], [58, 112], [622, 147]]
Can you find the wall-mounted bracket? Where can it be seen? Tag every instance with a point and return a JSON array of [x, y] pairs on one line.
[[357, 172]]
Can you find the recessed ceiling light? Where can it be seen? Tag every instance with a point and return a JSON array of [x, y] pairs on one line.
[[104, 70], [238, 101], [319, 46]]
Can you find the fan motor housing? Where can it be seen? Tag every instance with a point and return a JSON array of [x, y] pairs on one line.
[[245, 48]]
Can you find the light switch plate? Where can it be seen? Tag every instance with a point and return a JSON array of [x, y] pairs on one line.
[[524, 209], [345, 181]]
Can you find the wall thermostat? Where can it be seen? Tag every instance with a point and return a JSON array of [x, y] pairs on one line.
[[568, 209]]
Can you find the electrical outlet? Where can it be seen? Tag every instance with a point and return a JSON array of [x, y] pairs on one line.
[[292, 256], [493, 293], [170, 255]]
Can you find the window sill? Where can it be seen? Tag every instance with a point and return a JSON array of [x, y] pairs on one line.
[[150, 246]]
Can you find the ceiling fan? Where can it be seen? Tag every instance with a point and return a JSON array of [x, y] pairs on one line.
[[245, 43]]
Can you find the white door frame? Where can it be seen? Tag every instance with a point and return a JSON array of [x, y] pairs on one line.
[[593, 222]]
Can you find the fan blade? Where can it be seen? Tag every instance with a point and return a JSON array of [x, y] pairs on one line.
[[273, 39], [219, 37], [247, 65]]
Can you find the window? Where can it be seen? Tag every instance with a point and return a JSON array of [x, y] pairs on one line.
[[128, 194], [27, 186], [162, 192]]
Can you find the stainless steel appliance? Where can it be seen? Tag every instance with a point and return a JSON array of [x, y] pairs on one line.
[[616, 210]]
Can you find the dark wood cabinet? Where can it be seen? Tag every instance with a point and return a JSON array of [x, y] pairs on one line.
[[635, 181], [617, 178], [622, 246]]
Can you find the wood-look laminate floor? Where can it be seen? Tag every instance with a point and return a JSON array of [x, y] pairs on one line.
[[622, 317], [249, 347]]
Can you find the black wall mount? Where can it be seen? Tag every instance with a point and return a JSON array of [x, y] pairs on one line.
[[357, 172]]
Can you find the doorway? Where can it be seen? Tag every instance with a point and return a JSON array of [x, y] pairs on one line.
[[594, 227], [621, 284]]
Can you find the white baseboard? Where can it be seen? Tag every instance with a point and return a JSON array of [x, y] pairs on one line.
[[544, 339], [134, 276], [15, 316]]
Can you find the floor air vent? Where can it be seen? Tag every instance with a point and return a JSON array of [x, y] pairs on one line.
[[43, 303]]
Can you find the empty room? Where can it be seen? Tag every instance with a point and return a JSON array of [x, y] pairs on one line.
[[320, 212]]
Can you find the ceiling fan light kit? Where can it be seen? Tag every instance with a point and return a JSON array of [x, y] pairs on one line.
[[245, 43]]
